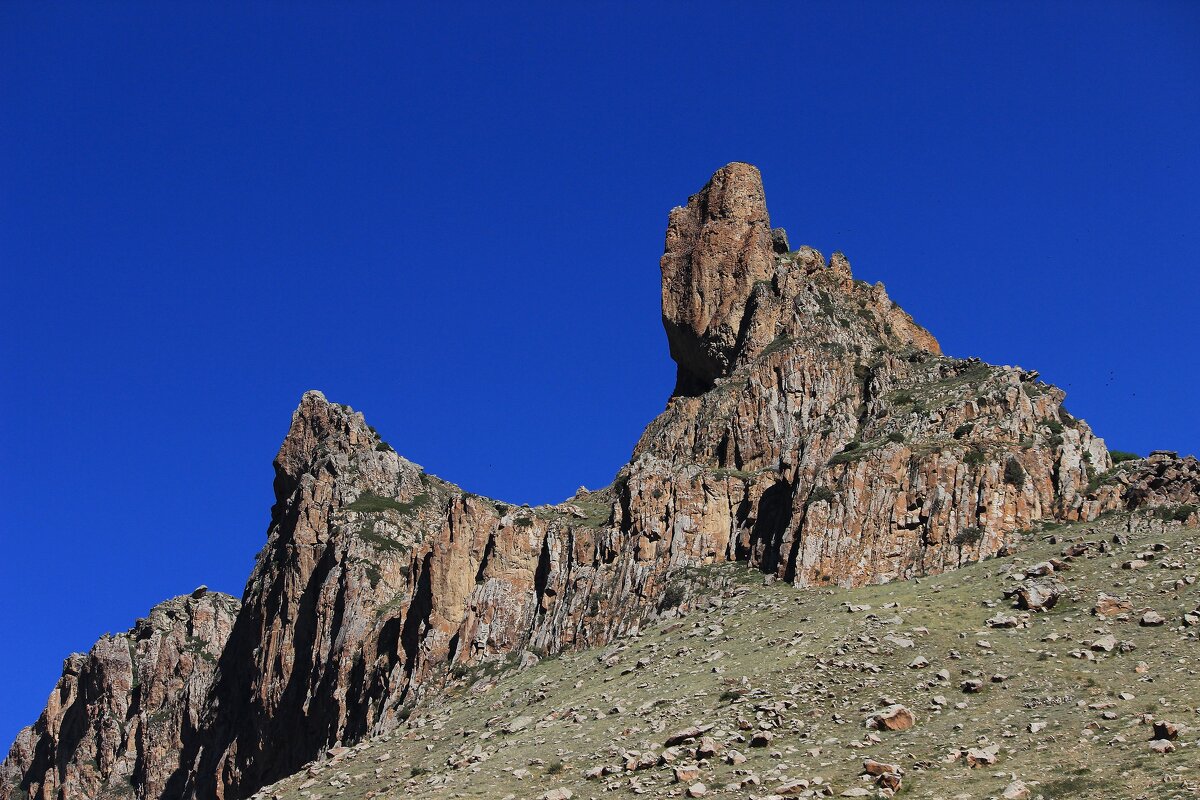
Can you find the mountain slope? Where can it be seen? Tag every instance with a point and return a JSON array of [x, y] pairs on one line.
[[1067, 697], [816, 432]]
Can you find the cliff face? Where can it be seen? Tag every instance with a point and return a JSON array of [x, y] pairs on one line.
[[115, 723], [816, 432]]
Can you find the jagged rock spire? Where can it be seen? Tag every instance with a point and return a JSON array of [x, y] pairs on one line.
[[718, 246]]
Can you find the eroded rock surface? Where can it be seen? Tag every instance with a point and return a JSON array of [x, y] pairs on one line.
[[115, 723], [816, 433]]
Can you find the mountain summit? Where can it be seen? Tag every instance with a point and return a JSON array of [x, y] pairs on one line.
[[816, 433]]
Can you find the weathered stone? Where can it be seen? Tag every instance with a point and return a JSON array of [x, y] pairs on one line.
[[1110, 606], [718, 247], [893, 718], [983, 756], [1016, 790], [873, 767]]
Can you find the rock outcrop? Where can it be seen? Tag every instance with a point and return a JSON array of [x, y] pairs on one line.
[[816, 432], [718, 247], [1163, 481], [115, 724]]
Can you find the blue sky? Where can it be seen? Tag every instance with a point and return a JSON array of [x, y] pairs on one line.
[[452, 220]]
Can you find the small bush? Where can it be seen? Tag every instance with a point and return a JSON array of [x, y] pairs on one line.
[[1014, 474], [523, 522], [417, 772], [384, 447], [821, 494], [1175, 513], [1119, 456], [730, 696], [903, 397], [779, 343], [974, 458], [555, 767], [895, 436], [672, 597], [969, 536], [849, 452], [1054, 426], [963, 430]]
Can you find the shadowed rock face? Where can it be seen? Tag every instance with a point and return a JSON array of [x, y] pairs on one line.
[[816, 433], [114, 725]]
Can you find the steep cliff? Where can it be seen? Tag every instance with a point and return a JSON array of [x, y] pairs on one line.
[[816, 432], [115, 723]]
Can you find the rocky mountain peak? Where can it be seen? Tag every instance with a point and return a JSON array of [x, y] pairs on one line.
[[817, 435], [731, 287]]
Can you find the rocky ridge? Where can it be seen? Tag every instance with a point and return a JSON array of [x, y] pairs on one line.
[[816, 432], [116, 722]]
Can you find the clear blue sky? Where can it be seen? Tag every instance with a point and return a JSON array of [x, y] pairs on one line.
[[452, 220]]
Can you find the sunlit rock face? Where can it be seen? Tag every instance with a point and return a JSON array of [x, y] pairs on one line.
[[816, 433]]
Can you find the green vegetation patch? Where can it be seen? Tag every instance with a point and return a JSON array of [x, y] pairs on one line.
[[368, 503], [1175, 513], [780, 343]]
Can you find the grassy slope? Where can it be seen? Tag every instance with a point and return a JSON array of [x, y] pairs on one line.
[[744, 647]]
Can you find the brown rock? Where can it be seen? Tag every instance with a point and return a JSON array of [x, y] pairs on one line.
[[1110, 606], [893, 718], [873, 767], [983, 756]]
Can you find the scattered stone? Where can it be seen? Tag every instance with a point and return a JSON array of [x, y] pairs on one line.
[[761, 739], [1109, 606], [1166, 730], [1152, 619], [877, 768], [893, 718], [1037, 595], [518, 724], [983, 756], [1017, 790]]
